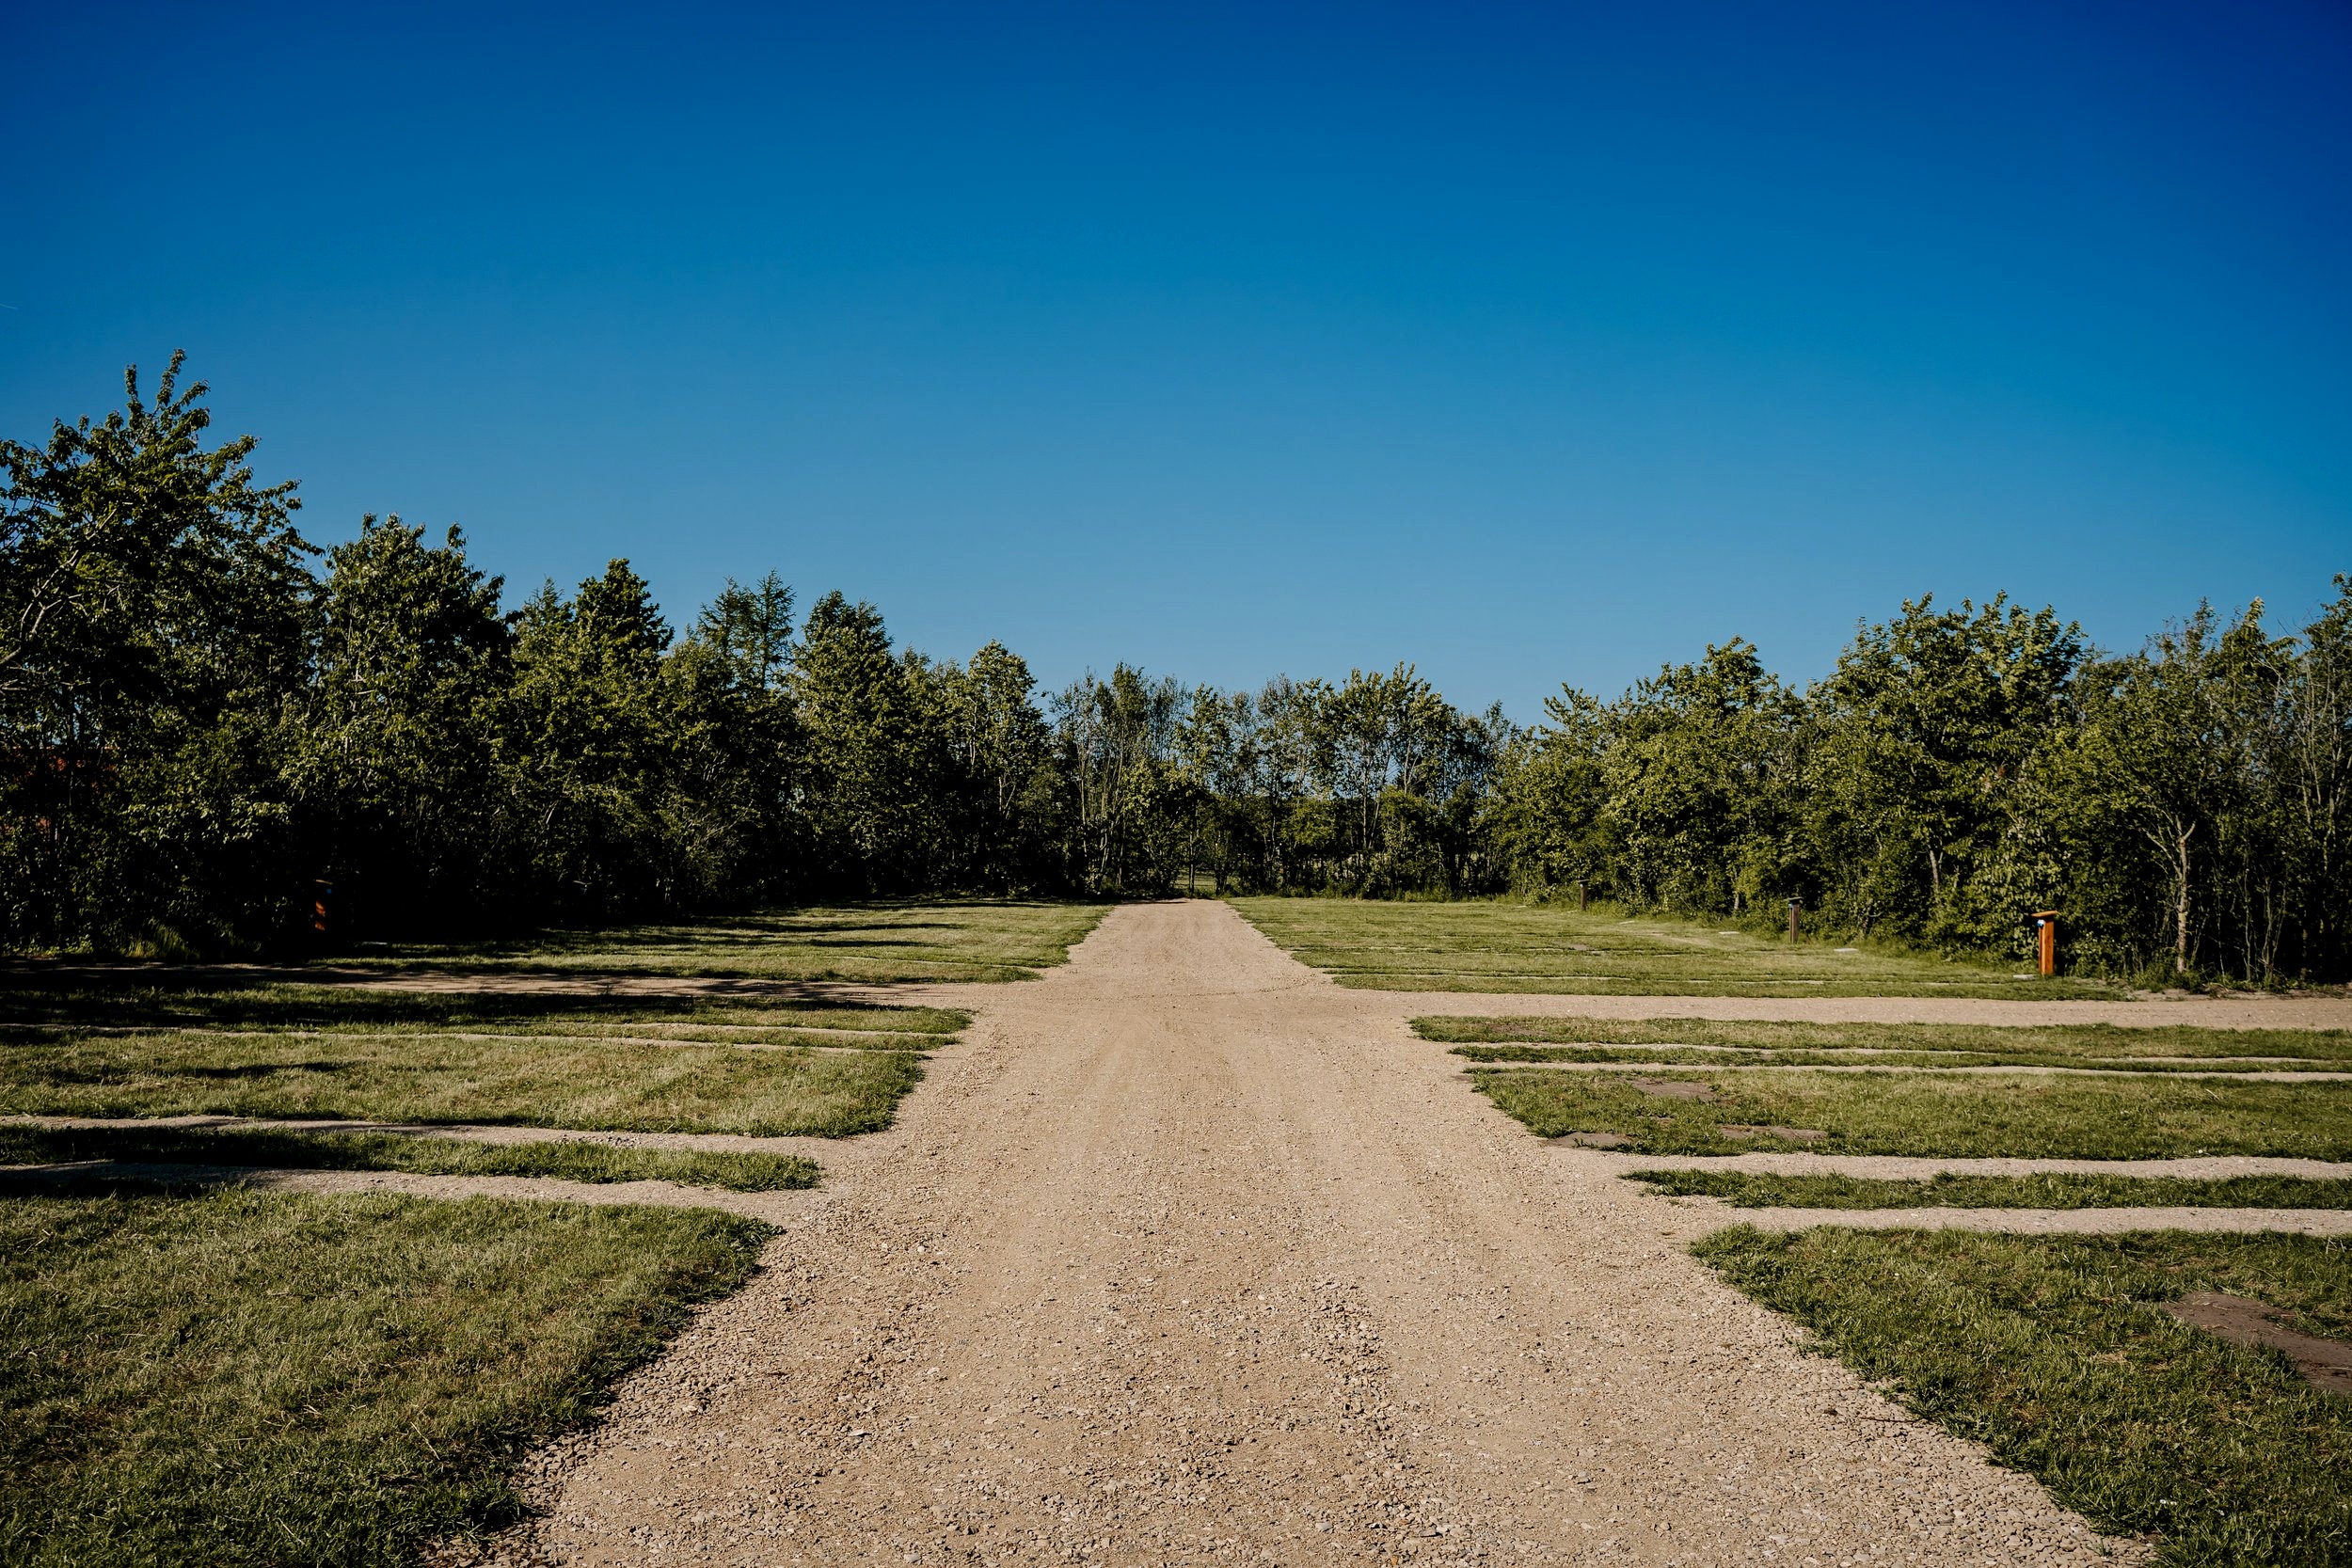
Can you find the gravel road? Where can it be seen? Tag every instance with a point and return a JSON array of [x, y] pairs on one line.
[[1190, 1255]]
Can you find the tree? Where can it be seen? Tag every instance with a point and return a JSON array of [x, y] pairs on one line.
[[736, 738], [1133, 803], [1549, 810], [585, 747], [154, 604], [2156, 753], [874, 749], [1699, 767], [2315, 777], [396, 775], [1923, 732], [1003, 750]]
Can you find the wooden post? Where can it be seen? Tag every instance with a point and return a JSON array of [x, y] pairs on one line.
[[2045, 929], [321, 892], [1579, 897], [1796, 908]]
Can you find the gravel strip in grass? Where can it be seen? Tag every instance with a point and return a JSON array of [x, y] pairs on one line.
[[429, 1156], [1923, 1061], [603, 1085], [830, 1039], [2055, 1043], [1503, 947], [249, 1378], [2118, 1118], [1948, 1191], [2056, 1352]]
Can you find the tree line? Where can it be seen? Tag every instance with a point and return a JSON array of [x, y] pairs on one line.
[[207, 723]]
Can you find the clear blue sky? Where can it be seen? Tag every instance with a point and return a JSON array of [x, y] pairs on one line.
[[1532, 343]]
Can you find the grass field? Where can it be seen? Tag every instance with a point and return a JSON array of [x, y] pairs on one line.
[[1502, 946], [563, 1159], [1949, 1190], [980, 940], [240, 1377], [429, 1077], [630, 1064], [2071, 1044], [246, 1378], [2052, 1351], [134, 999], [2102, 1117]]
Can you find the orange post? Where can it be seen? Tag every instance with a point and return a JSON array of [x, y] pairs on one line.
[[321, 892], [2046, 930]]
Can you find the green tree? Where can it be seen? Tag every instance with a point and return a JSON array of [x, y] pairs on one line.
[[1549, 810], [1922, 735], [585, 746], [1133, 805], [2314, 774], [2155, 756], [396, 775], [153, 605], [874, 745], [1699, 770], [727, 812], [1003, 751]]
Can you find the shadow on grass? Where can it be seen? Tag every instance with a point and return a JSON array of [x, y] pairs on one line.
[[135, 997]]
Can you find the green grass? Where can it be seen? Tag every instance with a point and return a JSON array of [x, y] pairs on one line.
[[603, 1085], [2049, 1190], [2052, 1352], [36, 998], [132, 1045], [2056, 1044], [248, 1378], [2120, 1117], [1477, 945], [563, 1159], [984, 940]]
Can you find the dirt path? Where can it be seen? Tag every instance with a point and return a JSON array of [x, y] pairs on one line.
[[1192, 1256]]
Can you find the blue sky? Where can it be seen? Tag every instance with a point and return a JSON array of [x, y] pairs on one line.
[[1533, 344]]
